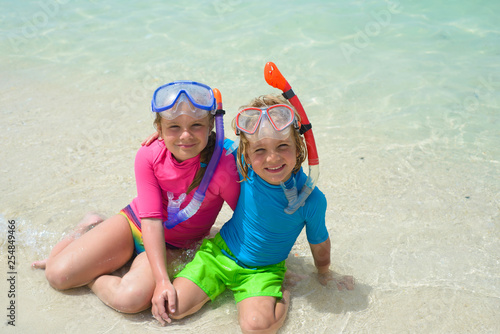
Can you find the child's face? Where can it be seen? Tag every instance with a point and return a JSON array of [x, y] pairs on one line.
[[184, 136], [272, 159]]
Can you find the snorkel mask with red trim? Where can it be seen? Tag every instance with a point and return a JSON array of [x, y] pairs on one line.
[[269, 122]]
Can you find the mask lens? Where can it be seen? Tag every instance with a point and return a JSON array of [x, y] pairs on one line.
[[165, 97], [280, 116], [183, 106], [248, 119], [200, 96]]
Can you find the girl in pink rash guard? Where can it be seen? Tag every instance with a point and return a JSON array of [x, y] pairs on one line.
[[170, 168]]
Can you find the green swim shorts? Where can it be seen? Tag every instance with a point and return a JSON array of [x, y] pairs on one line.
[[213, 272]]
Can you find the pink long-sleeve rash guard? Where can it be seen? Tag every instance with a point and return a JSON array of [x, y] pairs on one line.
[[157, 172]]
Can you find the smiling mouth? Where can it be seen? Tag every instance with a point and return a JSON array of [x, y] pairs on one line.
[[275, 169], [186, 145]]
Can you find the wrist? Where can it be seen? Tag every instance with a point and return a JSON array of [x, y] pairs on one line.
[[323, 269], [164, 280], [162, 285]]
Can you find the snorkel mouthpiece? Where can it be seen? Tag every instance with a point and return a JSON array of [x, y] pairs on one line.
[[274, 78]]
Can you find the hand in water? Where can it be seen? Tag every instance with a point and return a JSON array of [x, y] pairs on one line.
[[342, 282], [164, 297]]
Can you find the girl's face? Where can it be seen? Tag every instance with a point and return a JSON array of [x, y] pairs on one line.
[[272, 159], [184, 136]]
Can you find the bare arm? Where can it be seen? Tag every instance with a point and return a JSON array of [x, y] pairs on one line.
[[321, 255], [164, 293]]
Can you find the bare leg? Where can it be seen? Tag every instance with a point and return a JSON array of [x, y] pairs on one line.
[[263, 314], [190, 298], [89, 221], [131, 293], [101, 250]]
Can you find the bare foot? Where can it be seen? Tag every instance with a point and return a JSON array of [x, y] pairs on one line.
[[39, 264], [88, 222]]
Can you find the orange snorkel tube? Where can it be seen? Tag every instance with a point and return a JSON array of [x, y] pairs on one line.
[[274, 78]]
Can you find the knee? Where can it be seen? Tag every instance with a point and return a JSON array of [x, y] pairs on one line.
[[177, 315], [181, 313], [132, 299], [183, 310], [58, 276], [255, 321]]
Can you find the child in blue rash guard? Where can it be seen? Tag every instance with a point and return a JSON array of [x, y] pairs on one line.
[[248, 255]]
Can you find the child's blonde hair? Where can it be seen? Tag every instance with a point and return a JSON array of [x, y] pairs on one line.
[[261, 102], [205, 154]]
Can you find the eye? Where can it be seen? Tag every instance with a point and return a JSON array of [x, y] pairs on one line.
[[259, 150]]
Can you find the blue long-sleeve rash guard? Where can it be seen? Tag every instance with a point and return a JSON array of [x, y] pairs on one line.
[[260, 233]]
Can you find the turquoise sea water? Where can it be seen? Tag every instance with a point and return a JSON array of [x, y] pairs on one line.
[[404, 98]]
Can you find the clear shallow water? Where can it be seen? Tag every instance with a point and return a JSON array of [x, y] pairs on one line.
[[404, 100]]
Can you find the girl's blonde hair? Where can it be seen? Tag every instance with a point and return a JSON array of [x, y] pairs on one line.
[[205, 154], [261, 102]]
